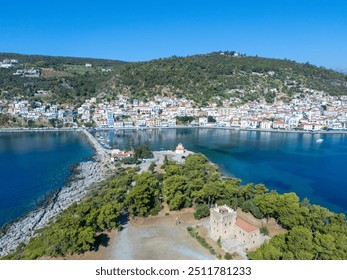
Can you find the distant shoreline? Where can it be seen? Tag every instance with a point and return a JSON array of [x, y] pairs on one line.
[[38, 129], [5, 130]]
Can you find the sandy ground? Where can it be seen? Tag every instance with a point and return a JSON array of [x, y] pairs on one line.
[[158, 238], [162, 237]]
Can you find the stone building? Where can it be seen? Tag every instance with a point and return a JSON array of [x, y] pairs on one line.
[[230, 229]]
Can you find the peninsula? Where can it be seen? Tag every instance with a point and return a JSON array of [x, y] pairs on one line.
[[176, 181], [88, 174]]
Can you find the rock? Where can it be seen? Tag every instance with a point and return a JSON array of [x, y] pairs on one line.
[[22, 230]]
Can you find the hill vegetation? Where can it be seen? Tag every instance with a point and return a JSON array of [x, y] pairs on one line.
[[67, 79], [313, 232], [201, 78]]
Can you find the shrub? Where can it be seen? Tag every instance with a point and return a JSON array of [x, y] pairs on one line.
[[193, 233], [154, 212], [228, 256], [219, 242], [223, 202], [264, 230], [250, 206], [201, 211]]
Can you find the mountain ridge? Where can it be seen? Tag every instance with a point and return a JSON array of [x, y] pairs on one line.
[[201, 77]]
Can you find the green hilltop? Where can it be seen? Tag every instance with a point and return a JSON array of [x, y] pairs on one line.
[[66, 78], [201, 78]]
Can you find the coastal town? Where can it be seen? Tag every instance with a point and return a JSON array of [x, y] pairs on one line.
[[316, 111], [307, 110]]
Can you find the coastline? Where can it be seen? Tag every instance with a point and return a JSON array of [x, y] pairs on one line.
[[46, 129], [23, 229], [89, 173], [10, 130]]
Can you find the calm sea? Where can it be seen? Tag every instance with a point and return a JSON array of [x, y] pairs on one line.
[[284, 162], [32, 165]]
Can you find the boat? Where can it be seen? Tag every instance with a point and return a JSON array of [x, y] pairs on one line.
[[319, 140]]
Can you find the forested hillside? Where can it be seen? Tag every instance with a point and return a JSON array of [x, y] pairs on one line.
[[67, 79], [203, 77], [199, 77]]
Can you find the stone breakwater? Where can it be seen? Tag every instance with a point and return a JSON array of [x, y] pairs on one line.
[[89, 173]]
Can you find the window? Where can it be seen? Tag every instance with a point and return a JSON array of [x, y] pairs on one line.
[[225, 231], [253, 242]]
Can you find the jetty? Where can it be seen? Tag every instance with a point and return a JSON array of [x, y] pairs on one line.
[[96, 145], [88, 174]]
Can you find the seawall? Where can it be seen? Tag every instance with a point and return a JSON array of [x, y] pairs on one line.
[[173, 127]]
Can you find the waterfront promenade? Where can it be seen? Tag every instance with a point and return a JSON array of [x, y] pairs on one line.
[[7, 130]]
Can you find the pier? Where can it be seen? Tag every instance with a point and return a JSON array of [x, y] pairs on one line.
[[97, 146]]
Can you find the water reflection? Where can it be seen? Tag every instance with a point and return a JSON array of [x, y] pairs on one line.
[[284, 161]]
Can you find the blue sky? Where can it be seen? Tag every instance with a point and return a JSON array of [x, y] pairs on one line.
[[313, 31]]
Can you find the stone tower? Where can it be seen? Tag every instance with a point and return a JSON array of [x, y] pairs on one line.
[[222, 222]]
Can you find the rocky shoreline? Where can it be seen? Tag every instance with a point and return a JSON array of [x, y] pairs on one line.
[[89, 173]]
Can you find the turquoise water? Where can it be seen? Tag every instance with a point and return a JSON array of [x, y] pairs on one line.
[[32, 165], [285, 162]]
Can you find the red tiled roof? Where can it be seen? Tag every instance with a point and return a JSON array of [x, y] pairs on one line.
[[245, 226], [119, 155]]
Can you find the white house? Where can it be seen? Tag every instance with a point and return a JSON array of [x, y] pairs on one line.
[[265, 124], [203, 121]]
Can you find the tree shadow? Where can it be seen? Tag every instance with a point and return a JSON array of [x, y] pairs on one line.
[[123, 220], [101, 240]]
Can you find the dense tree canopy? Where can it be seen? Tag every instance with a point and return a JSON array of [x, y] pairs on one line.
[[313, 232], [142, 152]]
